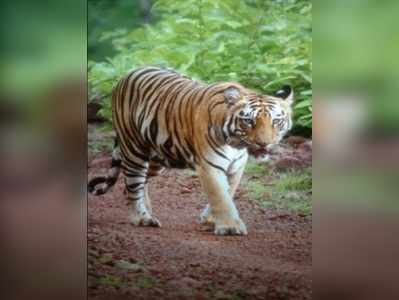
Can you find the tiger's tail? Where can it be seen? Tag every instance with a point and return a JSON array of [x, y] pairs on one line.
[[108, 181]]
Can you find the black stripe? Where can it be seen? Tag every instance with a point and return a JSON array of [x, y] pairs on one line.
[[131, 198], [229, 125], [154, 129], [169, 104], [133, 174], [91, 186], [111, 180], [128, 163], [213, 145], [116, 163], [215, 166], [138, 76], [157, 79], [158, 88]]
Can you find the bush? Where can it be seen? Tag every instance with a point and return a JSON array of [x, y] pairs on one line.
[[261, 44]]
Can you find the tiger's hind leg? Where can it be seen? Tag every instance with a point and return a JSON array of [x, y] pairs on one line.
[[147, 199], [140, 212], [154, 169]]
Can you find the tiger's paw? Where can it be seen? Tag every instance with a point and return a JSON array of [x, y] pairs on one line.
[[206, 217], [145, 221], [231, 227], [207, 220]]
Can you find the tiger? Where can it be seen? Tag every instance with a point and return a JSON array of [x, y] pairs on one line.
[[164, 119]]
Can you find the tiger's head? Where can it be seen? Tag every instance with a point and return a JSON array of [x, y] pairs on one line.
[[257, 122]]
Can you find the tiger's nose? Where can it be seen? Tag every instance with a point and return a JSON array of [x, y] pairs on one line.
[[261, 144]]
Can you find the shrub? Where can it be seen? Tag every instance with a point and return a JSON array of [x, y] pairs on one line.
[[261, 44]]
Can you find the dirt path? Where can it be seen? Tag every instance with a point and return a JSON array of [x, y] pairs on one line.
[[184, 260]]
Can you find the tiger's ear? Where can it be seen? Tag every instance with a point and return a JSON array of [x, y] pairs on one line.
[[232, 95], [286, 93]]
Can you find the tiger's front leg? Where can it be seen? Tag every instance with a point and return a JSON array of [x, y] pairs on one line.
[[224, 213], [236, 170]]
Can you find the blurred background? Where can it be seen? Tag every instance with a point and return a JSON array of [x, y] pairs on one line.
[[355, 165], [43, 149]]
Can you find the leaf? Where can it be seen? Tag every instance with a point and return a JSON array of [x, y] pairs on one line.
[[274, 82], [306, 93], [304, 103], [233, 24], [125, 265]]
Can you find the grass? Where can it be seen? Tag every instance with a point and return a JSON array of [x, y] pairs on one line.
[[290, 190], [256, 169], [142, 281], [111, 281], [295, 180], [99, 139], [98, 146], [145, 282]]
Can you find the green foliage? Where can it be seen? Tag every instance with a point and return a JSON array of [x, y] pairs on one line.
[[109, 280], [295, 181], [145, 282], [98, 146], [261, 44], [358, 58], [110, 15], [289, 190], [142, 281], [255, 169], [99, 140]]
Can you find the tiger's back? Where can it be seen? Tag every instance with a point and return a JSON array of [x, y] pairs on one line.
[[165, 114]]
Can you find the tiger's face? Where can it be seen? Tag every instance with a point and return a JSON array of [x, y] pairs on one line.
[[258, 122]]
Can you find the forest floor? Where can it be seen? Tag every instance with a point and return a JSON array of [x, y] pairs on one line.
[[183, 259]]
